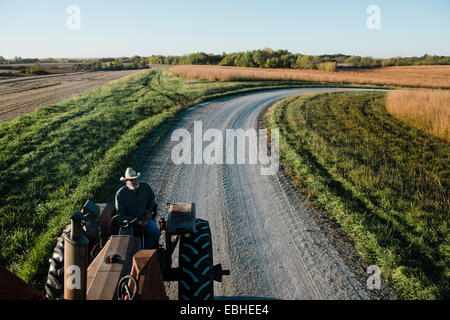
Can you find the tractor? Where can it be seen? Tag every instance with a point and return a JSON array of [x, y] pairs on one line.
[[97, 257]]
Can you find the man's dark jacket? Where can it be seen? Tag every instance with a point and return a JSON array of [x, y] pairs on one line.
[[132, 204]]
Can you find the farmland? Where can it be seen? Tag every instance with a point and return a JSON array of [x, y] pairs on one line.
[[23, 95], [53, 159], [428, 110], [393, 206], [409, 76]]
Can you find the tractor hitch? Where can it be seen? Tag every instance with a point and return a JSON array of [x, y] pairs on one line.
[[218, 272]]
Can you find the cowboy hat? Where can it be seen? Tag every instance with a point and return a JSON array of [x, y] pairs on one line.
[[130, 174]]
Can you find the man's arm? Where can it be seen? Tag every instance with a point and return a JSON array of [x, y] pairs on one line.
[[152, 208], [120, 208]]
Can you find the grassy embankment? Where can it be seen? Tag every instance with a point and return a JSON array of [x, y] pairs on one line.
[[54, 159], [385, 182]]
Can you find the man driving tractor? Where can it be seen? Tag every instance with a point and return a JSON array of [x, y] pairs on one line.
[[136, 200]]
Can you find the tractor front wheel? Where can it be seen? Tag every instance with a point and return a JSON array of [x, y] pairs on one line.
[[54, 287], [196, 264]]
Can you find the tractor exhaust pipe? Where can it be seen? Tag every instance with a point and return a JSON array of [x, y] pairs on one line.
[[75, 260]]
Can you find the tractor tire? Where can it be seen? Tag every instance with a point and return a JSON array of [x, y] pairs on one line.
[[54, 287], [196, 264]]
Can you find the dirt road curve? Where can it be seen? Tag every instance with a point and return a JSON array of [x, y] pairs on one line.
[[20, 96], [263, 231]]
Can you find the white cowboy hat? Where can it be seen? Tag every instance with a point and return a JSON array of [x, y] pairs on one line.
[[130, 174]]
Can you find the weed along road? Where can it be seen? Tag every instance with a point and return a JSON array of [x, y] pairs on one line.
[[263, 230]]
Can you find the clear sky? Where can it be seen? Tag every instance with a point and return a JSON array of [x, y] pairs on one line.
[[174, 27]]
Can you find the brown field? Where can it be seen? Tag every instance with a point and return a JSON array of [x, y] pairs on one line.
[[428, 110], [409, 76], [23, 95]]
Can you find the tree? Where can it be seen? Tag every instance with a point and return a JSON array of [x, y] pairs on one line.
[[273, 63], [228, 60], [259, 57], [143, 63], [389, 62], [308, 62], [327, 66], [353, 61], [244, 59], [288, 60]]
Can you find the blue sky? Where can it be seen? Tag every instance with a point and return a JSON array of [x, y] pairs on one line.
[[124, 28]]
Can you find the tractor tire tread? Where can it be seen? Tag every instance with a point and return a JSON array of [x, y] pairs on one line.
[[196, 261]]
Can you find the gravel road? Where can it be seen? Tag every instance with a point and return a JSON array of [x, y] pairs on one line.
[[264, 232]]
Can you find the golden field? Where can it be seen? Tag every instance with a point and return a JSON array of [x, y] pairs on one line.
[[437, 77], [428, 110]]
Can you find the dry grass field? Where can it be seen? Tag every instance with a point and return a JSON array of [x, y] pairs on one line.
[[428, 110], [437, 77]]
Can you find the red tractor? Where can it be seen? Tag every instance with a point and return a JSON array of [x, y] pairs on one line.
[[97, 258]]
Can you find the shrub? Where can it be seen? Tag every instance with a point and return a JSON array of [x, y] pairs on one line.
[[327, 66]]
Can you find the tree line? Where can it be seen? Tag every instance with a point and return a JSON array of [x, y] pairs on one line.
[[265, 58], [268, 58]]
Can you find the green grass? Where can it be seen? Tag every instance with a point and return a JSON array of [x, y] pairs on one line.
[[386, 183], [54, 159]]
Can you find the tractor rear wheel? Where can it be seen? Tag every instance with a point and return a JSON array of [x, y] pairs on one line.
[[196, 264], [54, 287]]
